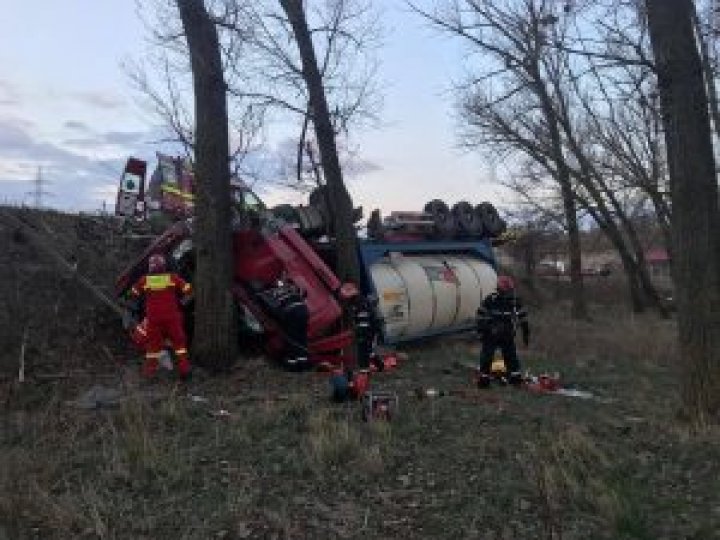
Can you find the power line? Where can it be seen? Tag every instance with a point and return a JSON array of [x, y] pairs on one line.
[[39, 190]]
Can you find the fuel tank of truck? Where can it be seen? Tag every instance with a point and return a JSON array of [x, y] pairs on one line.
[[427, 288]]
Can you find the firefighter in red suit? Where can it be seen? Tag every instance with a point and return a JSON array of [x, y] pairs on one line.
[[162, 290]]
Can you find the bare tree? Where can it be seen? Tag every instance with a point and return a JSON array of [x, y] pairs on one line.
[[343, 34], [540, 93], [215, 333], [340, 203], [163, 79], [694, 189], [513, 39]]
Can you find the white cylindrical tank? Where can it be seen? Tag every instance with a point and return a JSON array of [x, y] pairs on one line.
[[428, 294]]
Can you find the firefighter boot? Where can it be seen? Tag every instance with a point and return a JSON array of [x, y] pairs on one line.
[[183, 368], [150, 366], [482, 380], [515, 379]]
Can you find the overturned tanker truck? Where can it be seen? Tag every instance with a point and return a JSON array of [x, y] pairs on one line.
[[424, 273]]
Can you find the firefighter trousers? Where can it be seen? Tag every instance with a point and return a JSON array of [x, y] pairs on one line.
[[158, 331]]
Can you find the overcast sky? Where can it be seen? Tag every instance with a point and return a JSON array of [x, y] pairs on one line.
[[67, 105]]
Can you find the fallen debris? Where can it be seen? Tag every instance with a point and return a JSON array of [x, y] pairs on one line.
[[98, 397], [21, 369], [570, 392]]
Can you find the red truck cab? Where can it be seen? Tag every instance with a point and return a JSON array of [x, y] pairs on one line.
[[264, 251]]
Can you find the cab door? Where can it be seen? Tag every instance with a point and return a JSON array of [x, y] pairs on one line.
[[131, 192]]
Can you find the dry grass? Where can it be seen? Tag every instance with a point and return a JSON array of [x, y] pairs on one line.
[[503, 464], [287, 463]]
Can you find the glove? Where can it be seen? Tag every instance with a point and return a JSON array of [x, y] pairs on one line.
[[133, 306], [128, 321]]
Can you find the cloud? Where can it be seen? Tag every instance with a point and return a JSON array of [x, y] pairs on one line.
[[9, 94], [87, 142], [77, 181], [12, 136], [99, 99], [355, 166], [109, 138], [122, 138], [76, 126], [280, 162]]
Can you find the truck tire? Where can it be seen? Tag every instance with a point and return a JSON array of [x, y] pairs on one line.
[[286, 212], [493, 224], [468, 221], [311, 221], [444, 221]]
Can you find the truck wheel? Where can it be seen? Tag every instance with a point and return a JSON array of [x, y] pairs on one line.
[[493, 224], [468, 221], [375, 229], [444, 221], [286, 212], [311, 221]]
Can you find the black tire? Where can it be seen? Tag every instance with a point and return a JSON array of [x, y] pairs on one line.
[[444, 221], [311, 221], [468, 221], [286, 212], [375, 229], [493, 224]]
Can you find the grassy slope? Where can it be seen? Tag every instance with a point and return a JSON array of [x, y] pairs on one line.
[[288, 464]]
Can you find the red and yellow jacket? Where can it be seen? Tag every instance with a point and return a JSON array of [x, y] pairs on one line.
[[161, 294]]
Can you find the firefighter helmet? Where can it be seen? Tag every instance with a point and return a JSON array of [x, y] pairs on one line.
[[505, 283], [156, 263]]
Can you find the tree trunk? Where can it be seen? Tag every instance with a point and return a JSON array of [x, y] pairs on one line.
[[694, 191], [612, 232], [340, 207], [637, 300], [707, 69], [215, 332], [579, 306]]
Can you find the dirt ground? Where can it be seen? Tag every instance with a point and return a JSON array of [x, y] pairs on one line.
[[262, 453]]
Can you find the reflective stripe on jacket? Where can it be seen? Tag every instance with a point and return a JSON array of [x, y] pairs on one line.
[[161, 293]]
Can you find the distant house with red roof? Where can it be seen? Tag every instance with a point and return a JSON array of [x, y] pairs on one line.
[[658, 261]]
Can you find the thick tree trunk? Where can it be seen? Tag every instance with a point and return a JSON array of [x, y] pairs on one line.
[[340, 207], [707, 69], [694, 190], [215, 333]]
